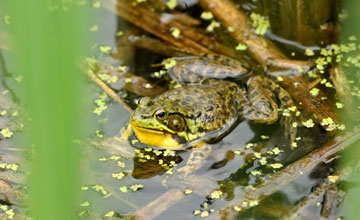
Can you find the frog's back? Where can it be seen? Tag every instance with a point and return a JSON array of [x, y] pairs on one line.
[[211, 106]]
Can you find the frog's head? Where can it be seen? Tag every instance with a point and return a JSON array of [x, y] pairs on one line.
[[161, 124]]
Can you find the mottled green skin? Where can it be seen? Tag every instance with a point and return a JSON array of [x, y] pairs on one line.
[[211, 108]]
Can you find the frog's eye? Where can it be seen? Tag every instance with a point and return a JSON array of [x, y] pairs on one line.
[[144, 101], [160, 114], [176, 122]]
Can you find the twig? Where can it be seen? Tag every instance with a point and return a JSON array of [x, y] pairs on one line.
[[156, 46], [292, 172], [154, 209], [109, 91], [190, 40]]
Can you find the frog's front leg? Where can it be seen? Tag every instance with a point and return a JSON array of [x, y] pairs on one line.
[[199, 153], [263, 97]]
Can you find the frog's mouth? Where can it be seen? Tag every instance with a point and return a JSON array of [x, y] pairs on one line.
[[157, 138]]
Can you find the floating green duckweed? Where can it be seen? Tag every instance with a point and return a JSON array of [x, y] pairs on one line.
[[123, 189], [105, 49], [121, 164], [339, 105], [263, 161], [217, 194], [333, 178], [84, 213], [171, 4], [85, 204], [99, 188], [248, 145], [7, 19], [118, 176], [204, 214], [94, 28], [197, 212], [212, 26], [96, 4], [257, 155], [276, 165], [237, 208], [169, 63], [175, 32], [237, 152], [188, 191], [309, 123], [103, 159], [241, 47], [260, 23], [309, 52], [9, 166], [6, 133], [110, 214], [119, 33], [168, 152], [264, 137], [207, 15], [230, 29], [136, 187], [255, 173], [314, 91]]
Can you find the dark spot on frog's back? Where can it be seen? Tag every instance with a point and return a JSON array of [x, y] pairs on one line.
[[200, 129], [189, 99], [285, 98], [209, 108], [216, 57]]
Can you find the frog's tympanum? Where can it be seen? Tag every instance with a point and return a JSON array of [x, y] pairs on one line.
[[208, 108]]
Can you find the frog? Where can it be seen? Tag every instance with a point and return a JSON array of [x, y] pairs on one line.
[[208, 106]]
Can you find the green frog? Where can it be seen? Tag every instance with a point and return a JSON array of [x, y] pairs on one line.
[[206, 109]]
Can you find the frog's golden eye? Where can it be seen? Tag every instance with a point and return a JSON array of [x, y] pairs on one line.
[[160, 114], [176, 123]]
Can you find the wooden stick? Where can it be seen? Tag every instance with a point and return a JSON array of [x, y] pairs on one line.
[[275, 182], [155, 46], [153, 209], [109, 91], [190, 40]]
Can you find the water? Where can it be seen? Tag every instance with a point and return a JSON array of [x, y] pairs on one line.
[[228, 167]]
